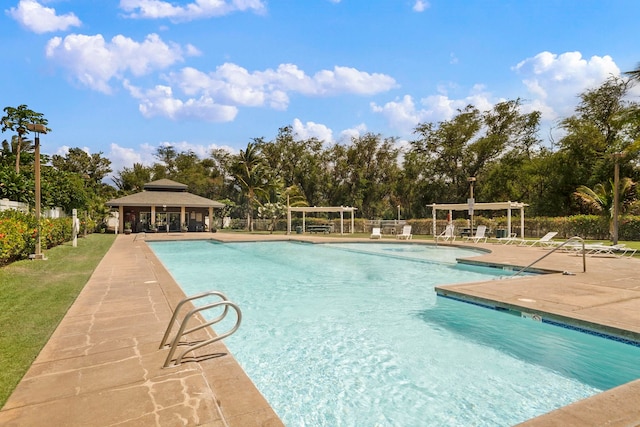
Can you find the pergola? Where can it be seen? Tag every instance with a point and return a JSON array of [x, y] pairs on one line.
[[508, 206], [315, 209]]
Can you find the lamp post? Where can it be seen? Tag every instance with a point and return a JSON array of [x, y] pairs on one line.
[[616, 197], [38, 129], [398, 213], [471, 202]]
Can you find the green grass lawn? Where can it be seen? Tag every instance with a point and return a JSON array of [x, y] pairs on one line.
[[34, 297]]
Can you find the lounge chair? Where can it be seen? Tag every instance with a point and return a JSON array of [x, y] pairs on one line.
[[511, 238], [480, 234], [406, 233], [600, 249], [375, 233], [545, 241], [447, 235]]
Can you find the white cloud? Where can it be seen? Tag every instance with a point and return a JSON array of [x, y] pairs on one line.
[[311, 130], [39, 19], [200, 9], [555, 81], [160, 101], [216, 96], [235, 84], [402, 113], [421, 6], [355, 132], [94, 62]]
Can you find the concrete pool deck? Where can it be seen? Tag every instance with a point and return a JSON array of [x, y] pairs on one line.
[[102, 365]]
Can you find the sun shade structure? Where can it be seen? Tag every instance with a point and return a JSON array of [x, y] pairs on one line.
[[316, 209], [164, 205], [495, 206]]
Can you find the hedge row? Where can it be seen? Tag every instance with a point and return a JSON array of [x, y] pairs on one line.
[[18, 233]]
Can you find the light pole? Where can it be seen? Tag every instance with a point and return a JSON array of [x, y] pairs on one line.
[[471, 202], [38, 129], [616, 197], [398, 213]]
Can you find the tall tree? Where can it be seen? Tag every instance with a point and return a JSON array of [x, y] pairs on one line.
[[17, 120], [132, 180], [252, 175], [605, 122]]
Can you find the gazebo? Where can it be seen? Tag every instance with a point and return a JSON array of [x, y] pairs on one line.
[[508, 206], [315, 209], [165, 205]]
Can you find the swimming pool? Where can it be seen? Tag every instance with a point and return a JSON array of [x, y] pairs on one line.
[[332, 335]]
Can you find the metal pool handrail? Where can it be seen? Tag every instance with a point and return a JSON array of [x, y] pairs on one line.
[[181, 331], [572, 239]]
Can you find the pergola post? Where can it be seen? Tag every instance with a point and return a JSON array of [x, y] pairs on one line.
[[353, 223], [433, 215]]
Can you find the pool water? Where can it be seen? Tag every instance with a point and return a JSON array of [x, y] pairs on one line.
[[354, 335]]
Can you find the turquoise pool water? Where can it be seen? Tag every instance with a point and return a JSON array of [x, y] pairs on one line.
[[354, 335]]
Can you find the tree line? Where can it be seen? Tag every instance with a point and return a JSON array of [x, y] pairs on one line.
[[501, 148]]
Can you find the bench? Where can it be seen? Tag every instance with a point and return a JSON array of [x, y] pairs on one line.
[[319, 228]]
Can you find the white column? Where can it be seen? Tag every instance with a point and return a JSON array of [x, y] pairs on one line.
[[433, 219], [353, 222]]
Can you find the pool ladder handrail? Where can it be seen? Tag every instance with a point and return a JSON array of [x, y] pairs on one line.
[[572, 239], [181, 331]]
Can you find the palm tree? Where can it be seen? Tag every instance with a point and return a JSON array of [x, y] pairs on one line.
[[634, 74], [18, 119], [250, 171], [600, 198]]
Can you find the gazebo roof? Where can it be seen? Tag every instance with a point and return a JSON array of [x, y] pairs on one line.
[[165, 192], [165, 184]]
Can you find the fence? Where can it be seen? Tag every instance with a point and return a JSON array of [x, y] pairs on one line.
[[6, 204]]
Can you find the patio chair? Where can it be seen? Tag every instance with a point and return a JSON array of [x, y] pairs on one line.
[[545, 241], [406, 233], [480, 234], [375, 233], [447, 235]]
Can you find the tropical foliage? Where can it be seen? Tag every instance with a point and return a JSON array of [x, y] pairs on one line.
[[501, 148]]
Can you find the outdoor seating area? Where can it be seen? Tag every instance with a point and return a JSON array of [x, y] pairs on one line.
[[322, 228], [600, 250]]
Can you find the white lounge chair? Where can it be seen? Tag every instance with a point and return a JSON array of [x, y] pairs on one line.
[[600, 249], [511, 238], [375, 233], [406, 233], [545, 241], [447, 235], [480, 234]]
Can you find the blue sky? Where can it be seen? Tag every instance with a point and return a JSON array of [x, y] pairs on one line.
[[123, 77]]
